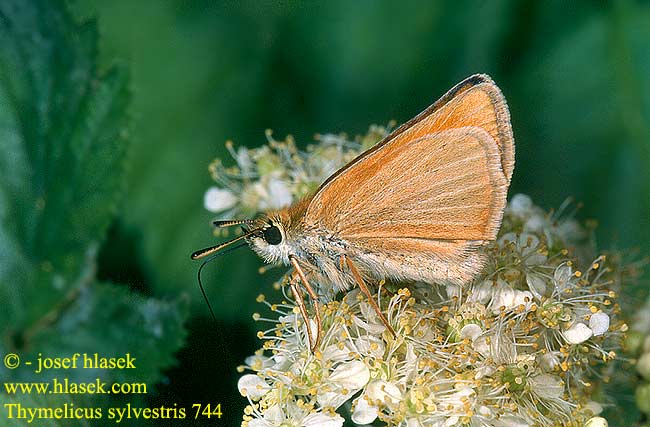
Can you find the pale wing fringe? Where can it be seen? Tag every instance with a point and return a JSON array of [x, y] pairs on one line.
[[496, 122]]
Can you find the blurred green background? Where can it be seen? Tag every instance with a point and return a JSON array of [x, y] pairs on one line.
[[576, 76]]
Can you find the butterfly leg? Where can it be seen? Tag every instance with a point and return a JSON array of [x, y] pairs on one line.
[[314, 297], [301, 305], [364, 289]]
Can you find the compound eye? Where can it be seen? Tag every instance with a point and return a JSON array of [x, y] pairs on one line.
[[272, 235]]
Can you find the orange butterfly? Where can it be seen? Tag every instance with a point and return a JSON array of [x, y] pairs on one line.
[[416, 206]]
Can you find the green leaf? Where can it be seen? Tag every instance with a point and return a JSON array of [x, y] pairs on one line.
[[110, 321], [63, 133]]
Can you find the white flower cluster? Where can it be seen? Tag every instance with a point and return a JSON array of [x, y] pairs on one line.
[[519, 347], [638, 343], [522, 345]]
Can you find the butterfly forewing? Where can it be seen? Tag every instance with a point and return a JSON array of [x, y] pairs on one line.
[[446, 186], [442, 176]]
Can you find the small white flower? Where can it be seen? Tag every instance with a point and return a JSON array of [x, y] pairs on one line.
[[258, 362], [499, 348], [526, 245], [457, 401], [520, 205], [577, 333], [378, 391], [273, 416], [373, 324], [570, 229], [535, 223], [337, 353], [252, 386], [275, 194], [599, 323], [244, 161], [504, 296], [219, 199]]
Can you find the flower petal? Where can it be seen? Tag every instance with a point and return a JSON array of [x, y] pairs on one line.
[[351, 375], [547, 386], [332, 399], [274, 415], [511, 421], [482, 292], [258, 422], [550, 360], [599, 323], [536, 284], [383, 391], [596, 422], [219, 199], [520, 205], [504, 296], [594, 407], [451, 421], [577, 333], [471, 331], [562, 277], [279, 194], [364, 413], [252, 386], [322, 420], [369, 345], [522, 298]]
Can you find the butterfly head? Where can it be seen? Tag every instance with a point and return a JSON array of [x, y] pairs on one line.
[[269, 239]]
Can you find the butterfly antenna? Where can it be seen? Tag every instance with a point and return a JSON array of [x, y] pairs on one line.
[[201, 253], [205, 296], [231, 222]]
